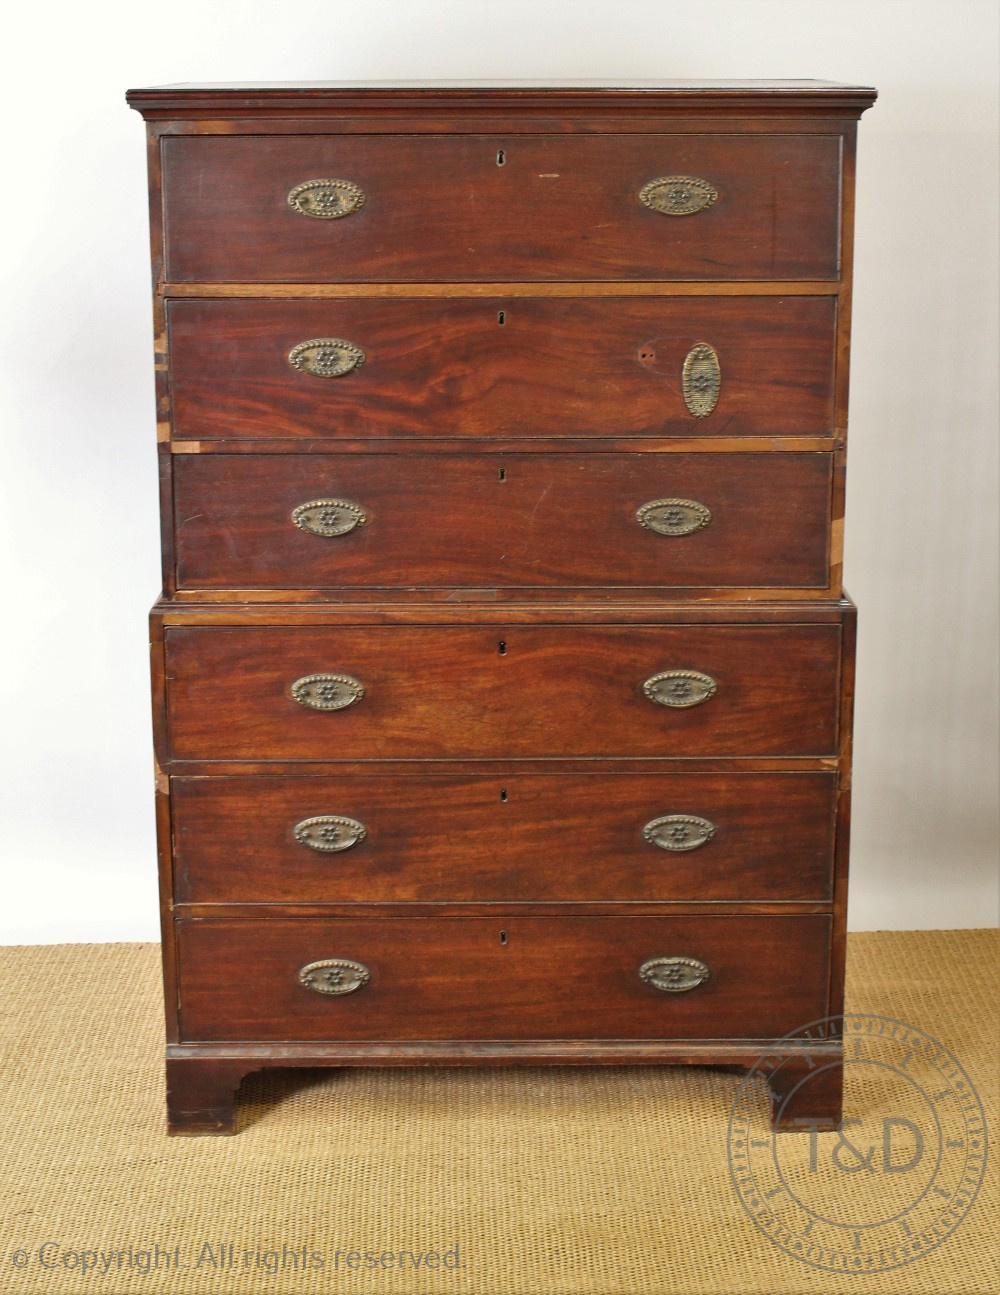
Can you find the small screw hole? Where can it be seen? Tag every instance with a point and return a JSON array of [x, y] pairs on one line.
[[501, 157], [501, 317], [503, 793], [502, 647], [503, 937]]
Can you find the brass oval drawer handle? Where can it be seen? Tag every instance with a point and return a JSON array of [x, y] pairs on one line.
[[679, 832], [327, 691], [326, 199], [680, 688], [678, 195], [329, 833], [334, 976], [674, 975], [701, 380], [673, 516], [326, 357], [329, 518]]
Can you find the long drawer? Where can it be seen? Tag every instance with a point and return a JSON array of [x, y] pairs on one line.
[[488, 207], [472, 692], [403, 520], [535, 367], [516, 837], [507, 977]]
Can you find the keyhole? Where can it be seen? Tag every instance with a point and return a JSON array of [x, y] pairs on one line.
[[501, 157], [501, 317], [503, 937], [503, 793], [502, 474], [502, 647]]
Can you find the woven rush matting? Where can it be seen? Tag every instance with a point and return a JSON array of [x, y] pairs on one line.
[[573, 1181]]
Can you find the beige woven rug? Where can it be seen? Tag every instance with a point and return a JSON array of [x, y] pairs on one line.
[[576, 1181]]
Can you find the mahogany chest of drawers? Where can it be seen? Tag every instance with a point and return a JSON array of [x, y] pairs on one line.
[[502, 668]]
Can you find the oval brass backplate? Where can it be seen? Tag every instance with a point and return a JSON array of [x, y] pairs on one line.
[[335, 976], [329, 833], [680, 688], [327, 691], [329, 517], [326, 199], [326, 357], [678, 195], [674, 975], [673, 516], [701, 380], [679, 832]]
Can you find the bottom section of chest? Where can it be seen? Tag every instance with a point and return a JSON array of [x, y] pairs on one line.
[[484, 836]]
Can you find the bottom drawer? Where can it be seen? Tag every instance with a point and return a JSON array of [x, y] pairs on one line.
[[503, 977]]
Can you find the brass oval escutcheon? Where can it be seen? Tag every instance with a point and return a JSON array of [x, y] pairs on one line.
[[701, 380], [679, 832], [680, 688], [678, 195], [329, 833], [335, 976], [329, 517], [326, 199], [673, 516], [674, 975], [326, 357], [327, 691]]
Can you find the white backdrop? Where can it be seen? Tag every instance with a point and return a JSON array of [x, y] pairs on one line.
[[79, 553]]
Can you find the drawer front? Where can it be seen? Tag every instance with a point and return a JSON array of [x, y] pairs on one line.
[[562, 367], [519, 837], [484, 207], [390, 521], [501, 978], [478, 692]]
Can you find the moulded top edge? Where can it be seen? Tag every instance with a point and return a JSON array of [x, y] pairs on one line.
[[322, 96]]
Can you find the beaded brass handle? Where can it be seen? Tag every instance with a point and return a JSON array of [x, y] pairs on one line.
[[674, 975], [679, 832], [701, 379], [678, 195], [329, 518], [673, 516], [326, 357], [334, 976], [329, 833], [326, 199], [680, 688], [327, 691]]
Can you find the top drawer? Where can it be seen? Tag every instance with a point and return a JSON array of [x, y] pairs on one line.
[[484, 207]]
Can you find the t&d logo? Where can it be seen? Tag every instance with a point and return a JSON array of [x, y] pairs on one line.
[[898, 1175]]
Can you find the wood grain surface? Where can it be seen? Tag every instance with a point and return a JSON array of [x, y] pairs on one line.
[[510, 977], [553, 368], [502, 520], [519, 837], [485, 207], [488, 692]]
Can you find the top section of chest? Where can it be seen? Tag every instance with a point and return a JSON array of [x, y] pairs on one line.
[[566, 183]]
